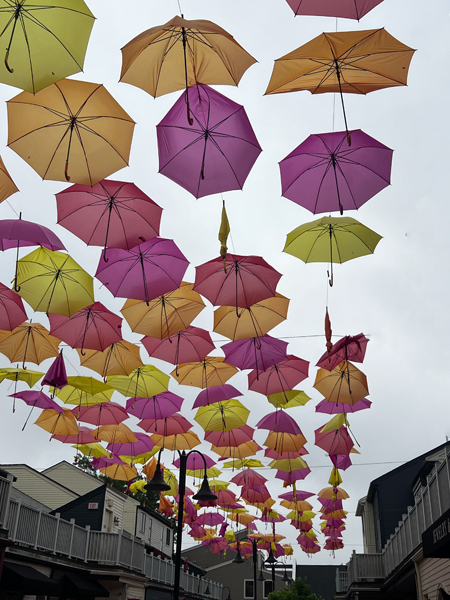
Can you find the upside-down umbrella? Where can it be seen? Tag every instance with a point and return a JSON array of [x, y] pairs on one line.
[[257, 320], [350, 347], [12, 311], [257, 353], [345, 383], [94, 327], [279, 378], [233, 437], [121, 358], [245, 280], [216, 394], [181, 53], [158, 406], [212, 154], [325, 174], [331, 240], [144, 381], [144, 272], [165, 315], [29, 342], [211, 371], [70, 131], [289, 399], [44, 42], [111, 213], [53, 282], [57, 423], [222, 416], [347, 9], [334, 442], [189, 345]]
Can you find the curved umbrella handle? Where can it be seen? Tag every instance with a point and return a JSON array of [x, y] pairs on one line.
[[330, 281], [6, 62], [66, 171]]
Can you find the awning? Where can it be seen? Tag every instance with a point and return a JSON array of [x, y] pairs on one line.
[[23, 578], [79, 585]]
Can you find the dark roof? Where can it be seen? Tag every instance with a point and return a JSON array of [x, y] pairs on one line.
[[321, 578], [76, 501]]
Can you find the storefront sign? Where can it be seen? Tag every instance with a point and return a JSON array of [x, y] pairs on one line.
[[436, 539]]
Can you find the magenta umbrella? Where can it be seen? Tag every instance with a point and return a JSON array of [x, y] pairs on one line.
[[189, 345], [94, 327], [216, 153], [147, 271], [299, 495], [281, 377], [341, 461], [290, 477], [334, 408], [245, 280], [106, 413], [56, 376], [111, 213], [84, 436], [104, 461], [194, 462], [248, 477], [337, 441], [234, 437], [36, 398], [257, 353], [159, 406], [350, 347], [279, 421], [143, 445], [347, 9], [216, 393], [274, 454], [172, 425], [12, 311]]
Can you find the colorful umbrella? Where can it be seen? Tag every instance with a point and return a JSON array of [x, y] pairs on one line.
[[12, 311], [143, 445], [71, 131], [216, 394], [280, 377], [181, 441], [285, 442], [334, 442], [289, 399], [120, 472], [16, 374], [73, 395], [332, 408], [237, 452], [211, 371], [248, 477], [111, 213], [7, 185], [15, 233], [35, 398], [345, 383], [222, 416], [56, 376], [44, 43], [121, 358], [29, 342], [115, 434], [84, 436], [145, 272], [158, 406], [143, 382], [105, 413], [279, 421], [244, 281], [324, 174], [189, 345], [255, 353], [53, 282], [215, 152], [57, 423], [233, 437], [347, 9], [171, 425], [350, 347]]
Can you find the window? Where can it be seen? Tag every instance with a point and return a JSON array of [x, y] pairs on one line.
[[168, 537], [268, 587], [142, 521], [248, 588]]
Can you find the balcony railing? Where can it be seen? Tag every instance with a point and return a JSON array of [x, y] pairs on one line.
[[341, 581]]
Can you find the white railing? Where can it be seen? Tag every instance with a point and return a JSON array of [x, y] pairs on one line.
[[5, 493], [341, 581]]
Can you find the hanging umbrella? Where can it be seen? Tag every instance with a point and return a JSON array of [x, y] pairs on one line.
[[158, 406], [332, 408], [12, 311], [17, 374], [248, 477], [245, 280], [143, 382], [251, 463], [114, 434], [279, 421], [29, 342], [121, 358], [71, 131], [212, 153], [290, 477], [324, 174], [181, 53], [257, 320], [189, 345], [166, 315], [44, 43], [84, 436], [181, 441], [57, 423], [145, 272], [233, 437], [35, 398], [288, 465], [105, 413], [53, 282], [345, 383], [73, 395], [15, 233], [123, 472], [194, 462], [213, 394], [211, 371], [289, 399], [285, 442], [280, 377], [332, 240], [350, 347], [7, 185], [237, 452], [171, 425], [96, 450], [296, 495], [111, 213], [347, 9], [56, 376], [271, 453], [334, 442], [222, 416], [143, 445], [258, 353]]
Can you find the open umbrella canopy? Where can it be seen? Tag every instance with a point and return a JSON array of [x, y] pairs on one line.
[[279, 421], [180, 441], [7, 185], [237, 452], [288, 465], [29, 342], [233, 437], [334, 442], [70, 131], [144, 381], [37, 398], [211, 371], [222, 416], [285, 442], [105, 413], [16, 233], [53, 282], [12, 311], [158, 406], [57, 423], [288, 399], [257, 353], [144, 272], [347, 9], [17, 374], [171, 425], [216, 394], [111, 213], [44, 43], [332, 408], [350, 347], [181, 53], [84, 436], [189, 345], [115, 434], [124, 472], [143, 445], [279, 378], [345, 383], [121, 358], [214, 151]]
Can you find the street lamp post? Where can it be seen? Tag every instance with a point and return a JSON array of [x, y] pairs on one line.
[[239, 560], [157, 484]]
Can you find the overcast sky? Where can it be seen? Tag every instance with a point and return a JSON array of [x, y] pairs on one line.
[[398, 297]]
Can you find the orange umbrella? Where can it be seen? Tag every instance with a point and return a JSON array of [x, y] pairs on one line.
[[7, 185], [180, 441], [333, 493], [58, 423], [114, 434], [207, 373], [123, 472], [299, 505], [30, 342], [240, 452], [345, 383], [121, 358], [285, 442]]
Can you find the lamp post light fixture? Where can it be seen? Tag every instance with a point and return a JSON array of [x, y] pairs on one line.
[[239, 560], [229, 592], [157, 484]]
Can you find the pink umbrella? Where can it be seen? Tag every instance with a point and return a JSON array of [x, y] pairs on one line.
[[336, 441], [349, 348], [105, 461], [143, 445], [271, 453], [194, 462], [279, 421], [147, 271], [341, 461], [189, 345], [216, 545], [348, 9], [94, 327], [334, 408], [211, 519], [83, 437], [299, 495], [257, 353], [255, 495], [15, 233], [111, 213], [12, 311], [216, 393], [173, 425], [234, 437], [157, 407], [35, 398], [281, 377], [106, 413], [248, 477], [333, 543], [56, 376], [292, 476]]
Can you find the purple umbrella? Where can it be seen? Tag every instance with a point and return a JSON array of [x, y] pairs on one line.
[[147, 271], [143, 445], [334, 408], [292, 476], [195, 462], [189, 345], [324, 173], [341, 461], [347, 9], [216, 393], [214, 154], [157, 407], [35, 398], [350, 347], [279, 421], [257, 353], [56, 376]]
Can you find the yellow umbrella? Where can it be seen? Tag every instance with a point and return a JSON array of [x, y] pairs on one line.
[[16, 374], [345, 383], [29, 342], [121, 358], [207, 373], [143, 382], [237, 452], [52, 282], [288, 464], [70, 131], [57, 423], [302, 516], [140, 459], [72, 395], [259, 319], [289, 399], [222, 416], [180, 441], [285, 442], [333, 493], [114, 434], [120, 472], [138, 485], [335, 477], [165, 315], [96, 450], [211, 472], [216, 484], [7, 185], [171, 480], [336, 423], [252, 463]]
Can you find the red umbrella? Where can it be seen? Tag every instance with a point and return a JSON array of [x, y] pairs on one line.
[[111, 213], [12, 311], [298, 495], [256, 496], [106, 413], [173, 425], [349, 348], [159, 406], [244, 281], [234, 437], [337, 441], [94, 327], [189, 345], [274, 454], [281, 377], [347, 9], [279, 421], [216, 393]]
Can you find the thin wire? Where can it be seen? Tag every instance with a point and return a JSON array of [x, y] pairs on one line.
[[12, 208], [179, 7]]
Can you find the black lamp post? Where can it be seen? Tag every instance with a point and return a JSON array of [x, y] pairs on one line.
[[157, 484], [239, 560]]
